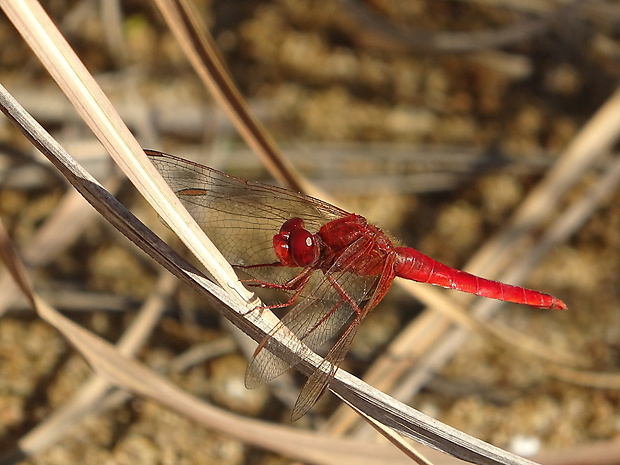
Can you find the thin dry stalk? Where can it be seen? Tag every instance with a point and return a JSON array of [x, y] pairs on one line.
[[199, 48], [382, 34]]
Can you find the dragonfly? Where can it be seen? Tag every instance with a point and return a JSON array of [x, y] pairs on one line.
[[334, 266]]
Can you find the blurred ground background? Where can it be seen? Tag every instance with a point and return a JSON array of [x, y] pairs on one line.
[[404, 111]]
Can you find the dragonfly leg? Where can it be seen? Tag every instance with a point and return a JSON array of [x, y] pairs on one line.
[[261, 265], [295, 285], [298, 282]]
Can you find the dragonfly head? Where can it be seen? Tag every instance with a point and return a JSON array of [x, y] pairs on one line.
[[296, 246]]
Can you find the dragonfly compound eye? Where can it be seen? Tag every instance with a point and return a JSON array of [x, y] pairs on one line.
[[291, 225], [303, 247]]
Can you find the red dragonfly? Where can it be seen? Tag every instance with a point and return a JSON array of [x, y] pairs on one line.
[[334, 265]]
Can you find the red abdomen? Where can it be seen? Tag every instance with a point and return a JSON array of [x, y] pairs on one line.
[[411, 264]]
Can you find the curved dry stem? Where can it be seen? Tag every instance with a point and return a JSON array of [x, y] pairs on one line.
[[199, 48]]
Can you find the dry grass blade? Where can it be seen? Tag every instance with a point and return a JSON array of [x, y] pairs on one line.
[[593, 141], [14, 265], [575, 215], [594, 379], [200, 49], [131, 375], [524, 345], [387, 433]]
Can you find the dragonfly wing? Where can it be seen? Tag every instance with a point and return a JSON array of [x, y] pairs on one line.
[[265, 365], [241, 217], [319, 380]]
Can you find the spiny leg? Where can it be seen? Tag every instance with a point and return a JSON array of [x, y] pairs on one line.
[[296, 284]]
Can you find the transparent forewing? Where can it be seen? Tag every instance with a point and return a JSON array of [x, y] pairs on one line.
[[318, 381], [241, 217]]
